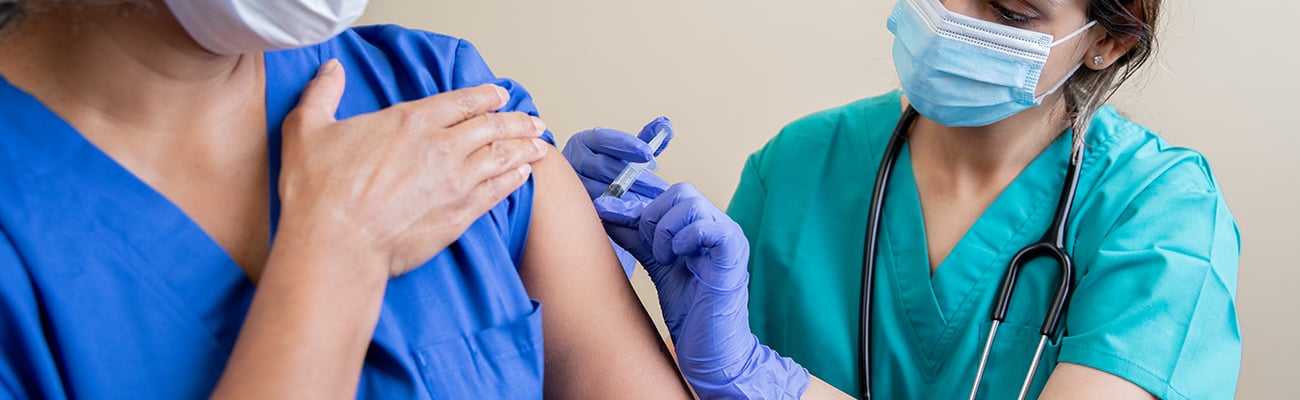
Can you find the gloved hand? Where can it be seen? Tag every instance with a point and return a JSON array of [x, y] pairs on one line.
[[599, 154], [697, 258]]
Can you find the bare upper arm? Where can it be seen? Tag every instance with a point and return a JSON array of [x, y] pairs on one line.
[[599, 341], [1074, 381]]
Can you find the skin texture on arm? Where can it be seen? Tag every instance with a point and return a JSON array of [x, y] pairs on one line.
[[600, 343], [820, 390], [1077, 382]]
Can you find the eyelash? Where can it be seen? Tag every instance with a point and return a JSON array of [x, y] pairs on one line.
[[1009, 17]]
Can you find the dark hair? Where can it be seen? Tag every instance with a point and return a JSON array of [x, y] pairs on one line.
[[8, 10], [1128, 21]]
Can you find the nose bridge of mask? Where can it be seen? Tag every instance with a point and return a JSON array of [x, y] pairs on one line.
[[1014, 41], [1021, 42]]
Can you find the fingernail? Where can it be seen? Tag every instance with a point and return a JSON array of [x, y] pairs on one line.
[[541, 145], [503, 94], [525, 169], [328, 67], [539, 125]]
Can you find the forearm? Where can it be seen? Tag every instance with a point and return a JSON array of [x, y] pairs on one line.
[[306, 333], [1074, 381], [820, 390]]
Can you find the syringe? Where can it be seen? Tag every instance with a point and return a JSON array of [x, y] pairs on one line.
[[633, 170]]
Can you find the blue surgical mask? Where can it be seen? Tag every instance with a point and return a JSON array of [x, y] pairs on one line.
[[960, 71]]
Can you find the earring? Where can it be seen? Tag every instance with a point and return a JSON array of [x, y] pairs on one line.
[[1097, 60]]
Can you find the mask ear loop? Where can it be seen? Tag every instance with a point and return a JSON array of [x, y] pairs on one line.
[[1073, 34], [1039, 99]]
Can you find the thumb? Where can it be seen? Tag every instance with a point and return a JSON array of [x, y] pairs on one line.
[[651, 129], [616, 211], [717, 252], [320, 99]]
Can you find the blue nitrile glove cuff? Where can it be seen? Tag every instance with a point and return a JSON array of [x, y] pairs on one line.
[[765, 375]]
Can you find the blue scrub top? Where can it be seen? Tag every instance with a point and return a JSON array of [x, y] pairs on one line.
[[108, 290]]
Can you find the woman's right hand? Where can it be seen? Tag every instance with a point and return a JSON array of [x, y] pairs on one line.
[[400, 184], [697, 258]]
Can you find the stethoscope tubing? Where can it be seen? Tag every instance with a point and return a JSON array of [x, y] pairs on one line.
[[1052, 245]]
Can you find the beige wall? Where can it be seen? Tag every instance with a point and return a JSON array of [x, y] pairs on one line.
[[730, 73]]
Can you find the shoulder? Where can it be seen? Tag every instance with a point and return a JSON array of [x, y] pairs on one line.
[[858, 128], [865, 116], [389, 64], [448, 60], [1143, 190], [1129, 166], [1153, 232], [1132, 156]]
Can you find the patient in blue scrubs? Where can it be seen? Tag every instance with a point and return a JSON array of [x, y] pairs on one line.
[[197, 202]]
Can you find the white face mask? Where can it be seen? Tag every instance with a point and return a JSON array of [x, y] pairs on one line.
[[245, 26]]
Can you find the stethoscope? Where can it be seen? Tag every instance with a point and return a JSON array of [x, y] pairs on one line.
[[1052, 245]]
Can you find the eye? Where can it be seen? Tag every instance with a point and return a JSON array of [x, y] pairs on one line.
[[1009, 17]]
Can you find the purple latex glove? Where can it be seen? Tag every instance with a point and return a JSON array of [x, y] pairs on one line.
[[599, 154], [697, 256]]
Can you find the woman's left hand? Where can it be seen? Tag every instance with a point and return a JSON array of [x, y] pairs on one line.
[[697, 256]]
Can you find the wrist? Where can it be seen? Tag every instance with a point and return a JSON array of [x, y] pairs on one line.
[[326, 259], [763, 374]]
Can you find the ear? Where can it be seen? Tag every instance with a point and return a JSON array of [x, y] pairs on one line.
[[1106, 50]]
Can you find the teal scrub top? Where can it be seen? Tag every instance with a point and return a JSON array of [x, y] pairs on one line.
[[1155, 249]]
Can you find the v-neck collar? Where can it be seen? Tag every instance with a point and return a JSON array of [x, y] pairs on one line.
[[156, 240], [941, 306]]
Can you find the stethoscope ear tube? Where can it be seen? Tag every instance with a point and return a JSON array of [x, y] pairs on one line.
[[1051, 321], [1052, 245], [871, 246]]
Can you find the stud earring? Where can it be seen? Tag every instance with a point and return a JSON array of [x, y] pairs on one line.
[[1097, 60]]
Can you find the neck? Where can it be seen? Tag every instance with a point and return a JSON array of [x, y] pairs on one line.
[[987, 155], [128, 65]]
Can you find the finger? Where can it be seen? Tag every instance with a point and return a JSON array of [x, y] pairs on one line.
[[656, 210], [724, 251], [597, 167], [492, 191], [684, 213], [319, 100], [594, 188], [501, 156], [619, 212], [651, 129], [450, 108], [626, 238], [649, 185], [615, 144], [669, 199], [487, 128]]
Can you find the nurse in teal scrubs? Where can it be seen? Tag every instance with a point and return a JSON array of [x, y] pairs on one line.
[[1007, 92]]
